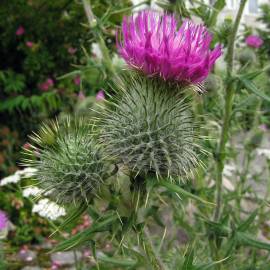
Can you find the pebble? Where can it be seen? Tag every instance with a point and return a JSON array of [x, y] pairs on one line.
[[65, 258]]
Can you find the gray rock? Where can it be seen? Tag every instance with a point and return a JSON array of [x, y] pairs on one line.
[[65, 258], [31, 268], [27, 255]]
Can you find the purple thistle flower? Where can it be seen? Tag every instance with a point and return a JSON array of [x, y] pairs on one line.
[[153, 43], [254, 41], [3, 220]]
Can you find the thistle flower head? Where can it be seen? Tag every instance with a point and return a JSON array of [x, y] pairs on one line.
[[70, 165], [254, 41], [149, 130], [154, 44]]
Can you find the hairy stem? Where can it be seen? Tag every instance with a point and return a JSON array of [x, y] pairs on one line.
[[229, 98], [151, 254], [89, 13], [98, 36], [221, 149]]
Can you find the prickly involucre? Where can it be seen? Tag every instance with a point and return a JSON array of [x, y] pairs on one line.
[[70, 165], [153, 43], [149, 129]]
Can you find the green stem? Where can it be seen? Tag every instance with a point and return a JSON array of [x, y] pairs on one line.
[[243, 178], [89, 13], [229, 98], [92, 24], [151, 254]]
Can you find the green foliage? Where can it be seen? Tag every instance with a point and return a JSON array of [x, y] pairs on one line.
[[265, 33]]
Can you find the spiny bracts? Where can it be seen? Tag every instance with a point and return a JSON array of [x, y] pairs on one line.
[[70, 165], [150, 129]]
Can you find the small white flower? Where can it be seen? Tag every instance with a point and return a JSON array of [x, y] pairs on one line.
[[15, 178], [264, 152], [117, 61], [137, 2], [32, 191], [229, 170], [95, 49], [27, 172], [48, 209]]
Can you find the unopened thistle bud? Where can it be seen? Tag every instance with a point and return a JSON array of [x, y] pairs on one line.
[[70, 165]]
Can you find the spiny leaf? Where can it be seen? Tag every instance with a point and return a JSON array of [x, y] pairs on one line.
[[73, 216], [245, 225], [249, 85], [175, 188], [209, 266], [99, 226], [120, 262], [246, 240], [189, 257]]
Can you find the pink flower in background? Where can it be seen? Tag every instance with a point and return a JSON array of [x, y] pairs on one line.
[[86, 253], [81, 95], [29, 44], [20, 31], [55, 265], [77, 80], [50, 82], [72, 50], [45, 86], [263, 127], [254, 41], [100, 95], [3, 220], [153, 43], [27, 146]]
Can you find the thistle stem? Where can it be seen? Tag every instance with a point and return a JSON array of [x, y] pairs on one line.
[[89, 13], [147, 245], [98, 36], [229, 99]]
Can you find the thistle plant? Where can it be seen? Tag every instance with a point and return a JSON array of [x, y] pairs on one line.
[[147, 131]]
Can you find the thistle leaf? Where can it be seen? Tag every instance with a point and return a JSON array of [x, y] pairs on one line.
[[82, 237], [176, 189], [249, 85], [246, 240]]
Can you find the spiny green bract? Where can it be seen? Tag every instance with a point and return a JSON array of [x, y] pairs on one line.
[[70, 165], [149, 128]]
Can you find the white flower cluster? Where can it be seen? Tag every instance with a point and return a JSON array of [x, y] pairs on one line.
[[264, 152], [95, 49], [32, 191], [17, 176], [229, 170], [48, 209], [44, 207]]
